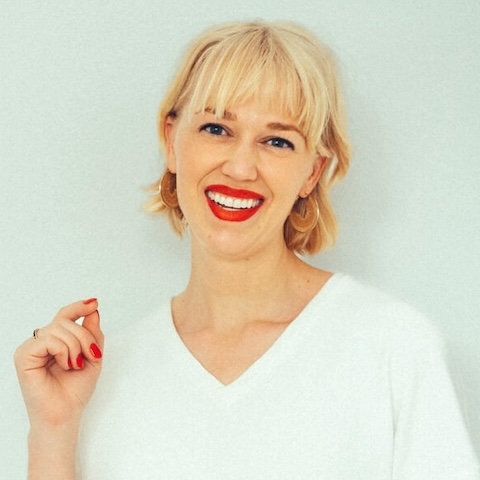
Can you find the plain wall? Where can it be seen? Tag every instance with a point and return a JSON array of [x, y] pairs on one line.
[[80, 83]]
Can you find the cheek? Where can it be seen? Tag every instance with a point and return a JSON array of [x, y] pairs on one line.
[[185, 159], [289, 180], [192, 166]]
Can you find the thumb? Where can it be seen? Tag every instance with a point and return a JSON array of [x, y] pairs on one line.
[[92, 323]]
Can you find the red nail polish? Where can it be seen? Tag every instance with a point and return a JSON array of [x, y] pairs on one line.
[[96, 352], [80, 360], [89, 300], [70, 364]]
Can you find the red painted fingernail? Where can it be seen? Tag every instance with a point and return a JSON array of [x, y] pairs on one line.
[[80, 360], [70, 364], [89, 300], [96, 352]]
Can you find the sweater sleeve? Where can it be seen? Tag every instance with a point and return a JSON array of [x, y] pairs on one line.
[[431, 438]]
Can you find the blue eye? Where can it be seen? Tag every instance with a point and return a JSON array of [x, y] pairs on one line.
[[280, 143], [213, 129]]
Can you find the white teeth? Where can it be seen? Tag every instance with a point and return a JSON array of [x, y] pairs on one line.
[[231, 202]]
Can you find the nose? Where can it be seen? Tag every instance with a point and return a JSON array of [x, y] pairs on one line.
[[241, 162]]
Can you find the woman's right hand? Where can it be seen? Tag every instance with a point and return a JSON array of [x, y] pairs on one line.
[[58, 369]]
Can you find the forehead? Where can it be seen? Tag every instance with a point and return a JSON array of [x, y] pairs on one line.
[[227, 102]]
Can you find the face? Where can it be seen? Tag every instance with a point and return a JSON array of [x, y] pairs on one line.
[[238, 176]]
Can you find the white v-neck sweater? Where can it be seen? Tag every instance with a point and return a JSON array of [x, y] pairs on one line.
[[356, 388]]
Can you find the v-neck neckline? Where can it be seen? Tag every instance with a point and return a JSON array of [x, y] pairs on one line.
[[195, 373]]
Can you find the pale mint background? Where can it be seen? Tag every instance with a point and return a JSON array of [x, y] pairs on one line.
[[80, 82]]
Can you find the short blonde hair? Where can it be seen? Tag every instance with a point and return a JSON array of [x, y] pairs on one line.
[[284, 68]]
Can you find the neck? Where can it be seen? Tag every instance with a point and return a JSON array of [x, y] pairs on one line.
[[225, 294]]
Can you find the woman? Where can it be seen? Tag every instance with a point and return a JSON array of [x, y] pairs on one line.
[[264, 366]]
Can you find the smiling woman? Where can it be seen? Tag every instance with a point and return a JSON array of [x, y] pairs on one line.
[[285, 70], [264, 367], [249, 155]]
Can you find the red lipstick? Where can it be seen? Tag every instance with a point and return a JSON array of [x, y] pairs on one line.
[[232, 204]]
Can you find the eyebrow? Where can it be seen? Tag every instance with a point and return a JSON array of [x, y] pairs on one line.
[[226, 114], [284, 127]]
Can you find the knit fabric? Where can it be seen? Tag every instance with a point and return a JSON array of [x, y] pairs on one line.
[[356, 388]]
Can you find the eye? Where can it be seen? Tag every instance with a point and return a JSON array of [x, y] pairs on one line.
[[213, 129], [280, 143]]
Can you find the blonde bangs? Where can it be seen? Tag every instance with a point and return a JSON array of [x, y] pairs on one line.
[[259, 67]]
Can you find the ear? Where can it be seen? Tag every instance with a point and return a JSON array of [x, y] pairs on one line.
[[318, 166], [169, 134]]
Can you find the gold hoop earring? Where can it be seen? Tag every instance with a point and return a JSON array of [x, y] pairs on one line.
[[167, 189], [305, 214]]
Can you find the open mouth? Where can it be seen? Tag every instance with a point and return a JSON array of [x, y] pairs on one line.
[[231, 204]]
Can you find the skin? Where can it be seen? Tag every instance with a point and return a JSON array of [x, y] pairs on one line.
[[255, 285], [240, 154], [245, 285], [56, 394]]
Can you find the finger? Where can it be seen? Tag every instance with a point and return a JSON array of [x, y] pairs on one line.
[[74, 336], [85, 341], [92, 324], [34, 354], [37, 352], [92, 336], [89, 344], [77, 310]]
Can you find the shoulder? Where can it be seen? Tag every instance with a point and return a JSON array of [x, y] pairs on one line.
[[368, 311], [352, 294]]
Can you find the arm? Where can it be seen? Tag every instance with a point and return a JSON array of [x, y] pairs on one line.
[[51, 452], [431, 438], [57, 373]]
